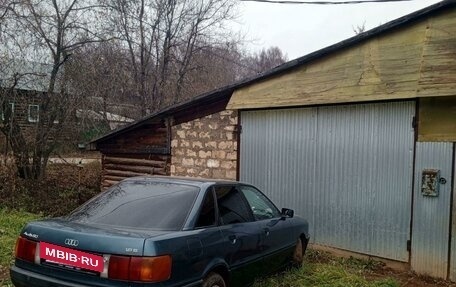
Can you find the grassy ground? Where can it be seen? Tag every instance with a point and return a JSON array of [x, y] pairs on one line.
[[320, 268], [11, 223], [320, 271]]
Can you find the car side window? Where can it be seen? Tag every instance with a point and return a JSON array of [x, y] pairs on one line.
[[231, 205], [262, 207], [207, 212]]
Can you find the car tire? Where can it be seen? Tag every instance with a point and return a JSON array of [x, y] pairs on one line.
[[298, 254], [214, 280]]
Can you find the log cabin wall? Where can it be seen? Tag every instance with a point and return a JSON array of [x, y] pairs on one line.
[[143, 151], [117, 167], [206, 147], [19, 101]]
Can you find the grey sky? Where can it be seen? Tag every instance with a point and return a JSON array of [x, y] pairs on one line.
[[301, 29]]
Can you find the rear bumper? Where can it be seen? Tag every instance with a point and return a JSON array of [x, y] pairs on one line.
[[24, 278]]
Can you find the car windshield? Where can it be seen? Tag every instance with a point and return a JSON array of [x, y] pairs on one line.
[[139, 204]]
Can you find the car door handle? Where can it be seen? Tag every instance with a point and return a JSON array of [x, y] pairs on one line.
[[266, 231], [232, 239]]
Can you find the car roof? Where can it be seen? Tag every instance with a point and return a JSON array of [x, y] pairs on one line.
[[181, 180]]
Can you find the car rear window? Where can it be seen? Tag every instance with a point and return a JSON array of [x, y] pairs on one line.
[[139, 204]]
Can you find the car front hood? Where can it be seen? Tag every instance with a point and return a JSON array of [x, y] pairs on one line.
[[93, 238]]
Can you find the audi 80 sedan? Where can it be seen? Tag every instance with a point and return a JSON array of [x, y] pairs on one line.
[[162, 231]]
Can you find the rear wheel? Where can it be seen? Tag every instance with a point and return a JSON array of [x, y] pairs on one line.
[[214, 280], [298, 256]]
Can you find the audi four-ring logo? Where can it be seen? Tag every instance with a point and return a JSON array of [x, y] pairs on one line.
[[71, 242]]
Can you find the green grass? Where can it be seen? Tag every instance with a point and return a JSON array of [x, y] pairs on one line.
[[11, 223], [319, 269]]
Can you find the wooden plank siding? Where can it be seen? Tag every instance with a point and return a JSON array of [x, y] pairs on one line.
[[418, 60], [437, 119], [145, 139], [142, 151]]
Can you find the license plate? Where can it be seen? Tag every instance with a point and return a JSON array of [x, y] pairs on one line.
[[71, 257]]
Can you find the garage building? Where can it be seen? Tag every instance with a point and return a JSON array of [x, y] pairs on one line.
[[358, 138]]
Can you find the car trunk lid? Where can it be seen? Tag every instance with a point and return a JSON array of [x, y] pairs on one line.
[[86, 237]]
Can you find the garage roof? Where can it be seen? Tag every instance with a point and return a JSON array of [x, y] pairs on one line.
[[223, 94]]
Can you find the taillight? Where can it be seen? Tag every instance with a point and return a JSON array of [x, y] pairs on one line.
[[25, 249], [119, 267], [150, 269], [146, 269]]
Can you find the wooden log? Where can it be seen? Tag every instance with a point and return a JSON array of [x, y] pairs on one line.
[[109, 182], [126, 174], [113, 178], [130, 173], [160, 173], [138, 140], [123, 173], [141, 152], [134, 161], [140, 169], [156, 157], [154, 141], [117, 176]]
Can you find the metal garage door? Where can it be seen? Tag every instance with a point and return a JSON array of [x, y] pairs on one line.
[[431, 211], [347, 169]]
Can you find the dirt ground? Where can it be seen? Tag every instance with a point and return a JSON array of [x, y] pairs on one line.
[[4, 275]]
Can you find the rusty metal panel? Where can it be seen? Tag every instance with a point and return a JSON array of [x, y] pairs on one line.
[[431, 214], [347, 169], [430, 182]]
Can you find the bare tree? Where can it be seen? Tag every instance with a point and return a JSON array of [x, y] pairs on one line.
[[264, 60], [6, 6], [212, 67], [46, 31], [101, 76], [359, 28], [162, 38]]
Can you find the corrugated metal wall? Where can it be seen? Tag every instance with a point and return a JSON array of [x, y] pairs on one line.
[[453, 223], [431, 215], [346, 169]]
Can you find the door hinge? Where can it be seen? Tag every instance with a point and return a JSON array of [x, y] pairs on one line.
[[409, 245], [238, 129]]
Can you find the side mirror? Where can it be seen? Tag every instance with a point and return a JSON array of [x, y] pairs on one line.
[[286, 212]]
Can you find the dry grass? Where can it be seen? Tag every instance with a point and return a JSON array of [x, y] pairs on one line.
[[66, 187], [322, 269]]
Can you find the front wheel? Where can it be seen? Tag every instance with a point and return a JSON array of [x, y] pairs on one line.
[[214, 280], [298, 256]]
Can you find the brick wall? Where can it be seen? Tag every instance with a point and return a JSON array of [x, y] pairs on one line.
[[206, 147]]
